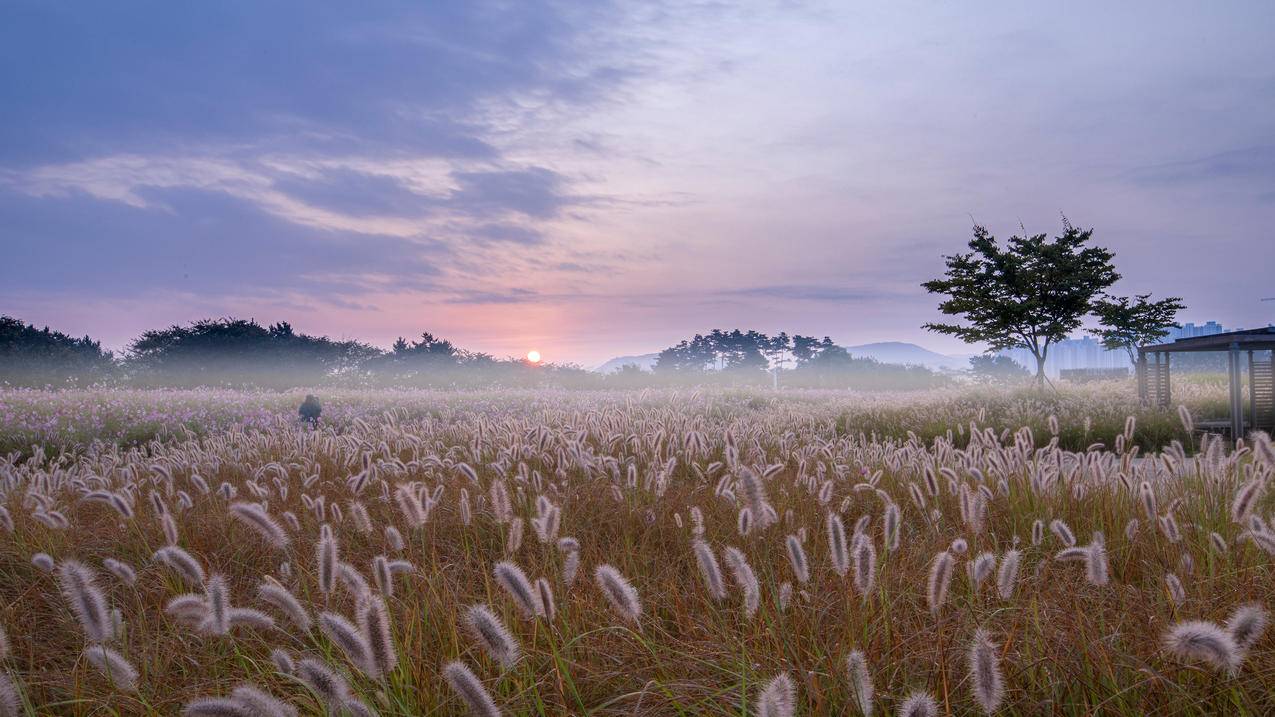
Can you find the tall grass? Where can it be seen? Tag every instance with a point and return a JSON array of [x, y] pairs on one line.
[[379, 548]]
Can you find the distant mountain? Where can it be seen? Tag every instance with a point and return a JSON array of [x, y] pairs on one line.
[[642, 361], [901, 352]]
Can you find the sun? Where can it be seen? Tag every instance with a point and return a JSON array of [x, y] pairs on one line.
[[533, 356]]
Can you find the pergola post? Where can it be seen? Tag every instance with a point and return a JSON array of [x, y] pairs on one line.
[[1157, 381], [1142, 376], [1237, 402], [1167, 399], [1252, 392]]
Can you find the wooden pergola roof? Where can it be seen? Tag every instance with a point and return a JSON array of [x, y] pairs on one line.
[[1153, 373], [1247, 340]]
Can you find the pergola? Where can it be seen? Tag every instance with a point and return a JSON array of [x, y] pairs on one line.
[[1153, 373]]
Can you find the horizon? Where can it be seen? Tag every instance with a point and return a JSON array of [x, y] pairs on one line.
[[597, 180], [965, 352]]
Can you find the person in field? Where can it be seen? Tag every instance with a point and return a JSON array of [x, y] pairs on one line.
[[310, 410]]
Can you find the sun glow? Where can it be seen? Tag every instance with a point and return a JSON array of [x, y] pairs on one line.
[[533, 356]]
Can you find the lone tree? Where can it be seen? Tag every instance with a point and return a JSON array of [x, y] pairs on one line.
[[1129, 323], [1030, 294]]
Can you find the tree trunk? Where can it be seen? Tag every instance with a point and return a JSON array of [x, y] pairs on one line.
[[1040, 370]]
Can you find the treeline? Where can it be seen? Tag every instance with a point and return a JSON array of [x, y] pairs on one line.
[[750, 357], [37, 357], [233, 352]]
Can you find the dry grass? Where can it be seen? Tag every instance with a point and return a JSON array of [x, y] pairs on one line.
[[625, 470]]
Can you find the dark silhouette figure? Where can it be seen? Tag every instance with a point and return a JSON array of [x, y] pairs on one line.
[[310, 410]]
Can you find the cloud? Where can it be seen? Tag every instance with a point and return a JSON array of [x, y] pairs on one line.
[[823, 294], [291, 76], [1254, 165], [508, 296], [533, 192], [512, 233], [356, 193], [194, 241]]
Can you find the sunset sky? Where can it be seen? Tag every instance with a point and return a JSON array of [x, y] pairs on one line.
[[594, 179]]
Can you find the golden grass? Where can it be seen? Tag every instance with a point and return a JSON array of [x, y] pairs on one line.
[[1065, 646]]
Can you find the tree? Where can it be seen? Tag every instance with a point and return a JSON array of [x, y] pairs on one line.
[[743, 352], [1030, 294], [805, 348], [685, 357], [430, 347], [37, 357], [237, 351], [734, 352], [1129, 323], [997, 369]]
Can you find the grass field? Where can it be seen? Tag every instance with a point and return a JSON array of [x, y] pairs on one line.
[[955, 552]]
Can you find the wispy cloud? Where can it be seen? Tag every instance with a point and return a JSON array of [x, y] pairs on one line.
[[1253, 165], [822, 294]]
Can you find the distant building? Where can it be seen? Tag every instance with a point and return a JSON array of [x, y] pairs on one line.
[[1088, 353], [1190, 330]]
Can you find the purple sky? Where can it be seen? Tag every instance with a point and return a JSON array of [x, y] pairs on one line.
[[594, 179]]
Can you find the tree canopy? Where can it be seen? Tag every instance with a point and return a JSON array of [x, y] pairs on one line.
[[738, 356], [1031, 293], [39, 357], [229, 350], [990, 368], [1127, 323]]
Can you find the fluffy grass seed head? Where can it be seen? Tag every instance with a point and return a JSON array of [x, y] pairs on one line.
[[256, 517], [860, 681], [919, 704], [490, 633], [183, 563], [1246, 624], [1007, 575], [548, 607], [986, 682], [470, 689], [939, 579], [345, 635], [520, 590], [1203, 641], [797, 559], [709, 569], [619, 592], [87, 602], [778, 697], [374, 623], [282, 599], [113, 666], [744, 577], [837, 544]]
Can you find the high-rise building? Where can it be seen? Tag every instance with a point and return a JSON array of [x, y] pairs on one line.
[[1088, 352], [1191, 330]]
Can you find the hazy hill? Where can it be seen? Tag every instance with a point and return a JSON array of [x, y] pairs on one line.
[[643, 361], [901, 352]]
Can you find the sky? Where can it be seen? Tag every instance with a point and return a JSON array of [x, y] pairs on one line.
[[597, 178]]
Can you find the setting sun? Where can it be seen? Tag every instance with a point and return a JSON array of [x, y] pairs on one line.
[[533, 356]]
